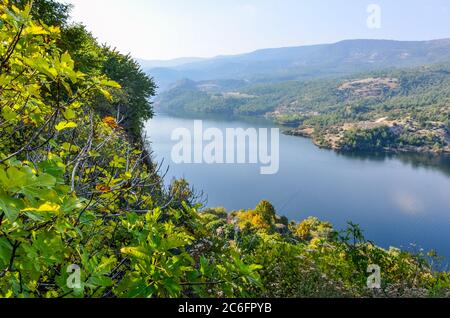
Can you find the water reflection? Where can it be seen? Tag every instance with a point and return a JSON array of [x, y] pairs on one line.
[[440, 162]]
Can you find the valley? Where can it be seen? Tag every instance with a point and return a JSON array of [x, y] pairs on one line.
[[404, 110]]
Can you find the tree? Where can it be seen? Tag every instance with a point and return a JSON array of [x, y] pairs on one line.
[[134, 103], [267, 211], [83, 47], [50, 12]]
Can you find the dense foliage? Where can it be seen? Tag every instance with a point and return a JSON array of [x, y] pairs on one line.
[[73, 190], [131, 106], [311, 259], [78, 195]]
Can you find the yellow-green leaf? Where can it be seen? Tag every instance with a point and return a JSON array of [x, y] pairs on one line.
[[65, 125]]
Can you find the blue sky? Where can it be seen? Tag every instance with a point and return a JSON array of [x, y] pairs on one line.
[[166, 29]]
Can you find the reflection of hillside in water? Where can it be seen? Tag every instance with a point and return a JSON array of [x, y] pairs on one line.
[[416, 160], [250, 120]]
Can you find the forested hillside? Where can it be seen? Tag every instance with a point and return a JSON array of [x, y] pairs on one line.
[[79, 193], [411, 105]]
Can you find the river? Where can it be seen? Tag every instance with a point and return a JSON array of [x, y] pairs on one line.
[[398, 200]]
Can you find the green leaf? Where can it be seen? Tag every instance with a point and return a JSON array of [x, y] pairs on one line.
[[10, 206], [101, 281], [8, 113], [106, 94], [52, 168], [46, 180], [139, 253], [110, 83], [65, 125], [172, 287], [67, 59], [67, 87], [5, 250], [69, 114]]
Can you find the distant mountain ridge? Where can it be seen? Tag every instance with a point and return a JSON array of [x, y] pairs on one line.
[[303, 62], [149, 64]]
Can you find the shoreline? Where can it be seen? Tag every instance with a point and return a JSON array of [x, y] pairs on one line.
[[309, 133]]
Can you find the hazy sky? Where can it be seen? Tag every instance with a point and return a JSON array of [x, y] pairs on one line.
[[166, 29]]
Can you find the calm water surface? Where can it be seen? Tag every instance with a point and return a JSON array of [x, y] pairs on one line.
[[398, 200]]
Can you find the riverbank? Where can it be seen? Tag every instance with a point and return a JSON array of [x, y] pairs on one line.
[[381, 135]]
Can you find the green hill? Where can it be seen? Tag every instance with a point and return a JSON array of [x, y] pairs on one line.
[[412, 104]]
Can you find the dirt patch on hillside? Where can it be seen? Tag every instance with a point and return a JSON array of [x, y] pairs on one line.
[[372, 86]]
